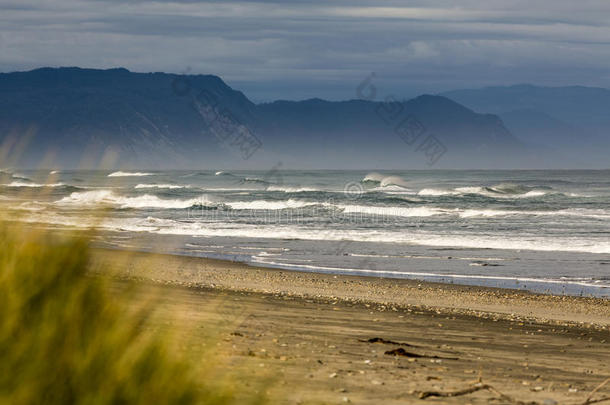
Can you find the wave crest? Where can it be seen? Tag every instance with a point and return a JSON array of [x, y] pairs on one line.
[[502, 190], [254, 180], [394, 181], [165, 186], [107, 197], [373, 177], [269, 205], [384, 180], [292, 189], [129, 174], [33, 185]]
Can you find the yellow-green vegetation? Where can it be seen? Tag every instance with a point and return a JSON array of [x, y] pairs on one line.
[[64, 339]]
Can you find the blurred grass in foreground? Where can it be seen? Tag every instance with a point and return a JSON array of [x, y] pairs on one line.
[[65, 340]]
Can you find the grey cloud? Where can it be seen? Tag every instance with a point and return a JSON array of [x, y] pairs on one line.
[[297, 49]]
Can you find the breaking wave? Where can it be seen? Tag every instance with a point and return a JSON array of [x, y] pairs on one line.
[[129, 174], [292, 189], [393, 181], [164, 186], [221, 173], [394, 211], [174, 227], [254, 180], [502, 190], [268, 205], [373, 177], [390, 183], [107, 197], [33, 185], [11, 175]]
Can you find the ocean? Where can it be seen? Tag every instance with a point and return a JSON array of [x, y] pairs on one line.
[[543, 230]]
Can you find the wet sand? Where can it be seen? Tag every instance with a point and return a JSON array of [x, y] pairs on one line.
[[339, 339]]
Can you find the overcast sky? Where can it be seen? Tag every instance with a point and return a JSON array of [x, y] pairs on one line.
[[301, 49]]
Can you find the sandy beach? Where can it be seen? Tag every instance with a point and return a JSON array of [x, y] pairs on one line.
[[346, 339]]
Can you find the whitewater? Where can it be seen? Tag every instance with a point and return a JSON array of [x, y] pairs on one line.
[[535, 230]]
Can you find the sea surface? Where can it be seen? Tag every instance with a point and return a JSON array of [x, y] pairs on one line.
[[544, 231]]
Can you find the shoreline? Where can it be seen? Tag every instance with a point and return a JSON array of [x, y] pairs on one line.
[[482, 302], [309, 338]]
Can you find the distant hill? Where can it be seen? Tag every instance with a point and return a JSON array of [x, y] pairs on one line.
[[168, 120], [366, 131], [140, 116], [575, 119], [585, 107], [540, 128]]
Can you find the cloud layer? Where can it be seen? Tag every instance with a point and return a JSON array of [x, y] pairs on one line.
[[300, 49]]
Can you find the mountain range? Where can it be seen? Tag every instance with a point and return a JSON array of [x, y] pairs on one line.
[[572, 122], [73, 117]]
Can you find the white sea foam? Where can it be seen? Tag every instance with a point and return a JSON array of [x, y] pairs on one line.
[[170, 227], [436, 192], [414, 238], [292, 189], [129, 174], [394, 211], [466, 240], [166, 186], [263, 254], [244, 189], [108, 197], [385, 181], [466, 213], [30, 206], [570, 212], [535, 193], [394, 181], [391, 189], [512, 242], [33, 185], [20, 176], [268, 205], [505, 190], [471, 190], [373, 177]]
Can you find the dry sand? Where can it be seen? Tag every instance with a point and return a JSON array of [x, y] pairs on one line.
[[346, 339]]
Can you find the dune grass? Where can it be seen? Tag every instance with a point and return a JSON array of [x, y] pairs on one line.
[[64, 339]]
